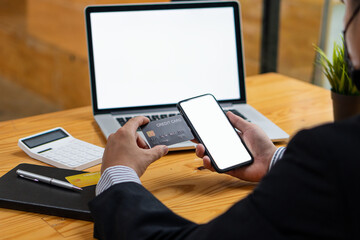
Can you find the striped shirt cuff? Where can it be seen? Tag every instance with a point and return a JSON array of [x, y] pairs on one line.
[[277, 155], [114, 175]]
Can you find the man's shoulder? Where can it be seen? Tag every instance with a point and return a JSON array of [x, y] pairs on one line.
[[345, 133], [334, 143]]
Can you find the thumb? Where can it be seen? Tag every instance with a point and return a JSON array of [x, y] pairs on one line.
[[238, 122], [158, 151]]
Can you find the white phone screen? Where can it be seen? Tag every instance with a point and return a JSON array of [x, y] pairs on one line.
[[215, 131]]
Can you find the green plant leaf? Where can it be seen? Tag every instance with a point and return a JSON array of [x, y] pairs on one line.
[[336, 71]]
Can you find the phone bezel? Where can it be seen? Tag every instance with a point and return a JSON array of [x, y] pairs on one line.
[[213, 162]]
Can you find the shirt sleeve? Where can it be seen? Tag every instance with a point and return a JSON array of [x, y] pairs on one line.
[[114, 175], [277, 155]]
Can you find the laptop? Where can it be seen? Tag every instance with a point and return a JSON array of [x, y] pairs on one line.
[[144, 58]]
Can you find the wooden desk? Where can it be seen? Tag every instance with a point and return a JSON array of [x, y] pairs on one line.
[[198, 195]]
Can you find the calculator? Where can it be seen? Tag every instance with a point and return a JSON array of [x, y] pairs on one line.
[[58, 148]]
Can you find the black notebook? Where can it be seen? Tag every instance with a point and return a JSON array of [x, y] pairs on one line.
[[26, 195]]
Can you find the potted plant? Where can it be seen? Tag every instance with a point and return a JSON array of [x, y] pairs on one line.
[[345, 96]]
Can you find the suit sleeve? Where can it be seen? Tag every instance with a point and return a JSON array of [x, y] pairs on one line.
[[129, 211], [298, 199]]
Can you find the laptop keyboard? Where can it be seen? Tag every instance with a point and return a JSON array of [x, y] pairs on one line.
[[123, 120], [239, 114]]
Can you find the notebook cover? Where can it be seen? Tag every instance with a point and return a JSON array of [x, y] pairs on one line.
[[26, 195]]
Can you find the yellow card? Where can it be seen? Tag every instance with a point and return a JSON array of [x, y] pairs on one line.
[[84, 179]]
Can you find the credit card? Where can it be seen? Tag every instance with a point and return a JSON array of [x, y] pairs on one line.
[[167, 131], [84, 179]]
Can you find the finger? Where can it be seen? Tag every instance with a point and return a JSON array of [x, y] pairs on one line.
[[200, 150], [134, 123], [195, 140], [141, 142], [238, 122], [157, 152], [207, 164]]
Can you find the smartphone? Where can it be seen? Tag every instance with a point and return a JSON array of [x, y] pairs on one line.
[[212, 128]]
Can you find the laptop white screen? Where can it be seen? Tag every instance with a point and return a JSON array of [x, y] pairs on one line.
[[156, 57]]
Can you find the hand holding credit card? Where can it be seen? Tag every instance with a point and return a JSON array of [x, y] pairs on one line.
[[167, 131]]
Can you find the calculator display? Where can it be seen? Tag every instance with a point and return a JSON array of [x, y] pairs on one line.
[[44, 138]]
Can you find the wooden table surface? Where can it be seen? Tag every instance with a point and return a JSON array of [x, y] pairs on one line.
[[198, 195]]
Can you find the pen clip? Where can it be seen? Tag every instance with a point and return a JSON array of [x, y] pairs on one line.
[[33, 179]]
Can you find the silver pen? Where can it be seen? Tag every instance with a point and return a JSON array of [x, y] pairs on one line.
[[39, 178]]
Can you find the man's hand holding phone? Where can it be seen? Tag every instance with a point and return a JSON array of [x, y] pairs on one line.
[[209, 124], [259, 145]]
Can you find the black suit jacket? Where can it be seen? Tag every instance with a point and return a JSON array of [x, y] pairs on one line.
[[313, 192]]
